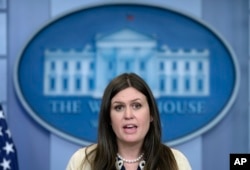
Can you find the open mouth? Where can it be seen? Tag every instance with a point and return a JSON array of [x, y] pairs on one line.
[[129, 126]]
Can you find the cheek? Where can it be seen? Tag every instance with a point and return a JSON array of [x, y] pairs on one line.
[[114, 120], [148, 121], [115, 124]]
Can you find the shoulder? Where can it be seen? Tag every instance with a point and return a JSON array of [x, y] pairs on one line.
[[76, 160], [181, 160]]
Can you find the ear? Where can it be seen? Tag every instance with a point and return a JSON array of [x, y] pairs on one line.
[[151, 119]]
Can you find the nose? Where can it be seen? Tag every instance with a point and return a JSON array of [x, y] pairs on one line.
[[128, 114]]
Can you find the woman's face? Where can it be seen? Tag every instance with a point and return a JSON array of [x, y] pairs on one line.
[[130, 116]]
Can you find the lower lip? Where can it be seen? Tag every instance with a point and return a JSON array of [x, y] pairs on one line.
[[130, 130]]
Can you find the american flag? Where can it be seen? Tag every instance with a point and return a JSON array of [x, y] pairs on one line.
[[8, 154]]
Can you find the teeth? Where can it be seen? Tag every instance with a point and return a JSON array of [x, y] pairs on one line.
[[130, 126]]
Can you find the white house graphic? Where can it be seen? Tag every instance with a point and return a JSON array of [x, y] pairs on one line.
[[88, 71]]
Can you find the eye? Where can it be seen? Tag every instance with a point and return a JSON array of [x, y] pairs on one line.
[[118, 108], [136, 106]]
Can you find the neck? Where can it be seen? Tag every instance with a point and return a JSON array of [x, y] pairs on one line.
[[129, 151]]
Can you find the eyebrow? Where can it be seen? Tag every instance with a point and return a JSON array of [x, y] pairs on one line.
[[123, 102]]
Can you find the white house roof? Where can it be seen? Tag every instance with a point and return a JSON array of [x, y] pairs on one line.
[[126, 36]]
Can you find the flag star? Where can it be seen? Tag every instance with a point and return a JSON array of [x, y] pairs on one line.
[[1, 133], [1, 114], [8, 147], [7, 132], [5, 164]]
